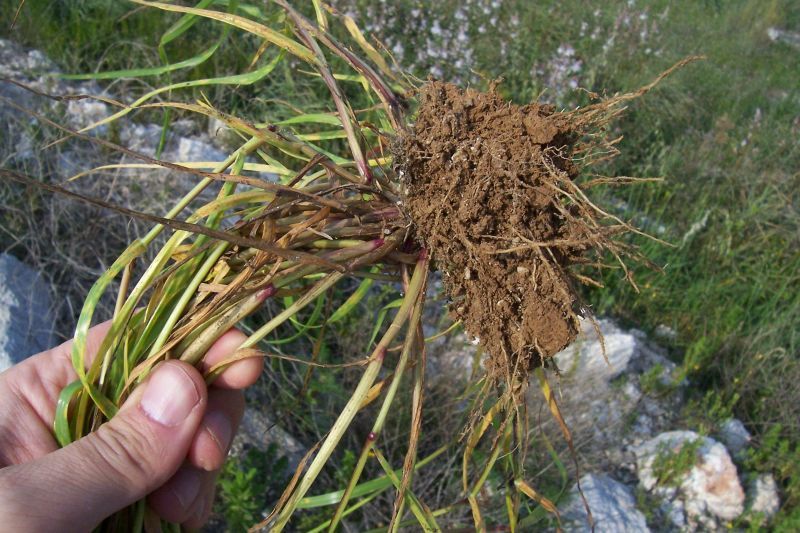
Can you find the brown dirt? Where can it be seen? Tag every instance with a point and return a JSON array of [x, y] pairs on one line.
[[489, 186]]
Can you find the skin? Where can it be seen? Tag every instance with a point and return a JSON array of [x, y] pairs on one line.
[[167, 443]]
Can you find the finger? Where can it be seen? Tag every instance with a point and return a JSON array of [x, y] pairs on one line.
[[186, 498], [123, 461], [213, 438], [238, 375], [202, 511], [50, 371], [94, 338], [29, 392]]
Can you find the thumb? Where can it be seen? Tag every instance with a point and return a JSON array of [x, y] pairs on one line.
[[133, 454]]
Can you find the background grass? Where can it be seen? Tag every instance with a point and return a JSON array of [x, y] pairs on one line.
[[723, 132]]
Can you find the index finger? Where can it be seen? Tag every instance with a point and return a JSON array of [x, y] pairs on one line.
[[57, 362], [238, 375]]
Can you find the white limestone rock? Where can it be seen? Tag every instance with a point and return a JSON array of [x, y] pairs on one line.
[[763, 497], [613, 507], [710, 490], [26, 321]]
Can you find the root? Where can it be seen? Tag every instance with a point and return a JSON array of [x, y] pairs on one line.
[[494, 194]]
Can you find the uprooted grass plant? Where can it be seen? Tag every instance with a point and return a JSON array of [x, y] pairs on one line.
[[417, 175]]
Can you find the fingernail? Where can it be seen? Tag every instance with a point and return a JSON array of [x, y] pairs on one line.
[[220, 429], [170, 395], [185, 486]]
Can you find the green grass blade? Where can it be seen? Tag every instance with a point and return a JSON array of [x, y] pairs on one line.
[[421, 513], [312, 118], [236, 79], [302, 327], [319, 11], [199, 59], [315, 314], [250, 26], [381, 317], [310, 295], [366, 46], [61, 423], [351, 509], [79, 346], [374, 485], [182, 24], [322, 136], [354, 299]]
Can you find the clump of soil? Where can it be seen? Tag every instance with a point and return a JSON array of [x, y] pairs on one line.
[[491, 189]]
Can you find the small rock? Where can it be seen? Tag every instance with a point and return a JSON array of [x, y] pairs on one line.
[[675, 512], [184, 127], [644, 424], [710, 490], [194, 149], [613, 507], [26, 321], [142, 138], [82, 113], [221, 135], [23, 148], [16, 62], [258, 430], [666, 333], [607, 392], [763, 495], [451, 358], [778, 35], [632, 391], [603, 403], [734, 436], [586, 359]]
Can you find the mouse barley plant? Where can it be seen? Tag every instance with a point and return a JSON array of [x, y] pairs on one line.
[[396, 178]]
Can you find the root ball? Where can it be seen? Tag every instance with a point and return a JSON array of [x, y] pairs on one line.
[[487, 184]]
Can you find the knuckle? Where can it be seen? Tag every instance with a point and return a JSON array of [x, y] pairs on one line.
[[127, 453]]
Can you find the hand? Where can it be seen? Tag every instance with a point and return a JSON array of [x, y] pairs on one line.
[[168, 442]]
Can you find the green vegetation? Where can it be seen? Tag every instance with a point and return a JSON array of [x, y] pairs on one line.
[[776, 454], [653, 382], [249, 484], [707, 413], [669, 465], [722, 133]]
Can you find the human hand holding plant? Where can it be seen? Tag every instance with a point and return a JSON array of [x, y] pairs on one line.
[[167, 442]]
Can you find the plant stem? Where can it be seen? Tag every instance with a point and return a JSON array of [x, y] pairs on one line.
[[415, 288], [381, 418]]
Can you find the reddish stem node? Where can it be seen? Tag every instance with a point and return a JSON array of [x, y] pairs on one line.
[[363, 167], [267, 292]]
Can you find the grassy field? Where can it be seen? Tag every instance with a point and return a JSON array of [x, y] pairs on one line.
[[722, 132]]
